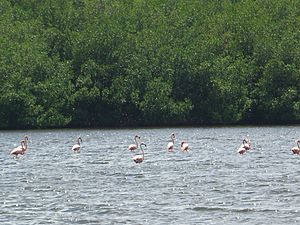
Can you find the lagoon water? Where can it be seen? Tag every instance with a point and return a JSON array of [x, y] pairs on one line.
[[210, 184]]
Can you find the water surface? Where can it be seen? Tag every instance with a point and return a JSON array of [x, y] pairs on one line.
[[210, 184]]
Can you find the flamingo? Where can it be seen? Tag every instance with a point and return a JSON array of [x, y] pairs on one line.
[[241, 150], [133, 147], [171, 144], [20, 150], [76, 147], [246, 144], [184, 146], [139, 158], [296, 149], [244, 147]]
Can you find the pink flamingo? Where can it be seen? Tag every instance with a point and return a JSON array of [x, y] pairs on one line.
[[171, 144], [246, 144], [133, 147], [184, 146], [296, 149], [139, 158], [20, 150], [241, 150], [76, 147], [244, 147]]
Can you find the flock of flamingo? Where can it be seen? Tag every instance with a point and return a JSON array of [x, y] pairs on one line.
[[184, 146]]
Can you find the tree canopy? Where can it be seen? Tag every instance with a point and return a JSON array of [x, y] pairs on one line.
[[93, 63]]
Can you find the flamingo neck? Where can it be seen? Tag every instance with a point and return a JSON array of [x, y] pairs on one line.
[[173, 139], [23, 146], [142, 151], [135, 140], [25, 142], [298, 143]]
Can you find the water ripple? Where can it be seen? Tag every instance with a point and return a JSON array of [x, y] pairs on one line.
[[210, 184]]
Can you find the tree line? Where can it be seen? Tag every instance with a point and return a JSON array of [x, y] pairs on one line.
[[95, 63]]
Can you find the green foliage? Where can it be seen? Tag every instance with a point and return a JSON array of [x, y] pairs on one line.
[[230, 89], [159, 107], [279, 92], [118, 63]]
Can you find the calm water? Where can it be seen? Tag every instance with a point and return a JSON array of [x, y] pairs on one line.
[[211, 184]]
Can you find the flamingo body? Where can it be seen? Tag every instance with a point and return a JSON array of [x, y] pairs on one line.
[[296, 149], [170, 146], [247, 146], [133, 147], [76, 147], [184, 146], [20, 150], [138, 159], [242, 150]]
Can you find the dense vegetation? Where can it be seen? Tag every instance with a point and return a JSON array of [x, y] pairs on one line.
[[93, 63]]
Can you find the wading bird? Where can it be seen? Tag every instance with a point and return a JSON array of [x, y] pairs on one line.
[[171, 144], [133, 147], [20, 150], [76, 147], [246, 144], [296, 149], [139, 158], [244, 147], [184, 146]]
